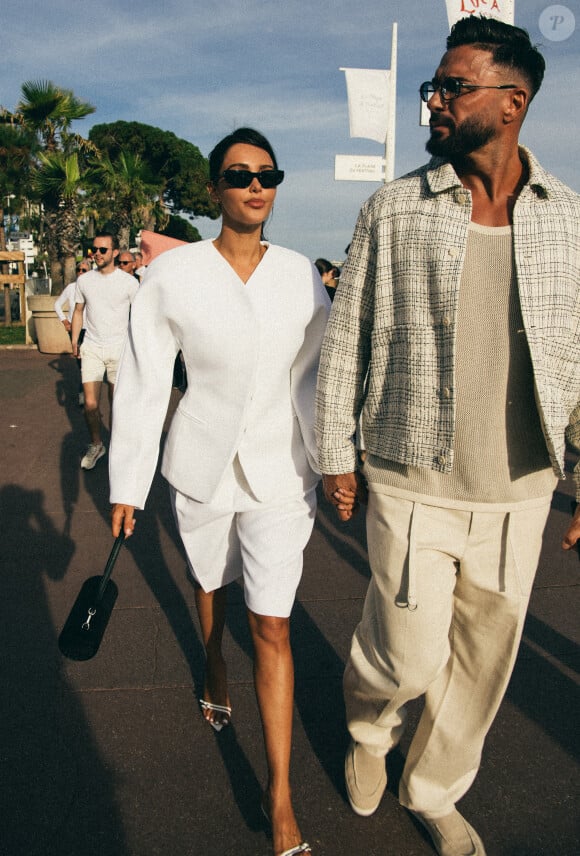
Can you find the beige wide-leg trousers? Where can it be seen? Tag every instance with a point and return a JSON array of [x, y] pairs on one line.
[[443, 617]]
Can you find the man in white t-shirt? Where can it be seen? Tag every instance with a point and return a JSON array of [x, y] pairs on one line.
[[104, 296]]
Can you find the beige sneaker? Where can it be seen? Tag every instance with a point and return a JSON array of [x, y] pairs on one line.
[[452, 835], [366, 779], [94, 453]]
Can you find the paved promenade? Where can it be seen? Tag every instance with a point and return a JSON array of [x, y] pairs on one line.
[[110, 757]]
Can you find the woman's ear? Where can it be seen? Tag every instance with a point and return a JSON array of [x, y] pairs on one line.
[[212, 192]]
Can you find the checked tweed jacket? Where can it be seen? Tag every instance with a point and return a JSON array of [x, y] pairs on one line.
[[389, 348]]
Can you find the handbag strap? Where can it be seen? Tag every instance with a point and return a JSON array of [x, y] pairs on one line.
[[110, 565]]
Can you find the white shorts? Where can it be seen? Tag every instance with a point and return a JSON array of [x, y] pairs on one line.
[[236, 535], [98, 359]]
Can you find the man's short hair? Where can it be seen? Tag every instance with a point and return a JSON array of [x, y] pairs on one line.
[[509, 46], [114, 239]]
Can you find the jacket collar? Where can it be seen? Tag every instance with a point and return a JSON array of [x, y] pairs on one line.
[[442, 177]]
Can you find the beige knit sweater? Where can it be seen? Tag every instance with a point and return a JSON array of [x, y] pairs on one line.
[[500, 452]]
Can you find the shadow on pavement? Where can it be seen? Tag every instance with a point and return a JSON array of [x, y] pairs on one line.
[[146, 549], [51, 769]]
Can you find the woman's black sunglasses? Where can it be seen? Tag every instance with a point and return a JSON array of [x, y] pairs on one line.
[[243, 177]]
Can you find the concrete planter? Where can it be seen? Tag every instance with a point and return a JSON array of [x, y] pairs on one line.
[[46, 328]]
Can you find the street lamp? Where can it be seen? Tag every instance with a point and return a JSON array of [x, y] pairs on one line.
[[8, 198]]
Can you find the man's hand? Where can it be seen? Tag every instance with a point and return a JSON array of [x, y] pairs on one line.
[[122, 516], [572, 535], [345, 492]]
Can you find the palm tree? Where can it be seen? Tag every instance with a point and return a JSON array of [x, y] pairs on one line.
[[48, 111], [16, 151], [58, 181], [129, 194]]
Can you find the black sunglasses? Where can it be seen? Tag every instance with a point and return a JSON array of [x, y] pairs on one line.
[[451, 87], [102, 250], [126, 263], [243, 177]]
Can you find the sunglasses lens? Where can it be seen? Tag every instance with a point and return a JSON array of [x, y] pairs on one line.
[[451, 87], [271, 177], [242, 178], [238, 177]]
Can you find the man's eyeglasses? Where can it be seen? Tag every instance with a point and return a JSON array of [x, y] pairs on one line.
[[243, 177], [82, 270], [451, 87], [103, 250], [126, 263]]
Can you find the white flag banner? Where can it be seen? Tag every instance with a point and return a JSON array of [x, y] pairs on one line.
[[503, 10], [368, 102]]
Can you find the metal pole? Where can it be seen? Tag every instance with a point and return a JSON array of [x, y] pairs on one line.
[[390, 138]]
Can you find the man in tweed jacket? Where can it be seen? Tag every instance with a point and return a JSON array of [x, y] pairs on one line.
[[454, 336]]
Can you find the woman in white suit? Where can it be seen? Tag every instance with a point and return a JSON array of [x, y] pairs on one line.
[[240, 456]]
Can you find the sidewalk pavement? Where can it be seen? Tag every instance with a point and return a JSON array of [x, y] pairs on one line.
[[111, 756]]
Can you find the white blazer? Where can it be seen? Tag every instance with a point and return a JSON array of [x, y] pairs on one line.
[[251, 354]]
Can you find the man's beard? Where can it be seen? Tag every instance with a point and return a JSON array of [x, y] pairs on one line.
[[471, 135]]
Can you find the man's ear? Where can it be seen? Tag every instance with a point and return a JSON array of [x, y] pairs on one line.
[[517, 105]]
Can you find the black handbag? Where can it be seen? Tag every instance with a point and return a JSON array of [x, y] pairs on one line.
[[87, 621]]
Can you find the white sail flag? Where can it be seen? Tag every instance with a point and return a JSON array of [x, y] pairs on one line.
[[503, 10], [368, 91]]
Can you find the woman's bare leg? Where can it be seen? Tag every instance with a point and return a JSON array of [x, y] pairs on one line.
[[211, 609], [274, 681]]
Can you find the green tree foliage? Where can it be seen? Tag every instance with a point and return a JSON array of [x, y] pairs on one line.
[[181, 229], [57, 181], [126, 193], [47, 112], [178, 164], [50, 110], [126, 175], [16, 150]]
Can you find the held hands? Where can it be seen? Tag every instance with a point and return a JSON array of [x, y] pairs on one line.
[[345, 492], [122, 516], [572, 534]]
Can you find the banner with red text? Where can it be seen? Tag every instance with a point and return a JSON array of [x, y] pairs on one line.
[[503, 10]]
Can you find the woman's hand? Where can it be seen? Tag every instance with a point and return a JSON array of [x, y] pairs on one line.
[[122, 516], [572, 535], [345, 492]]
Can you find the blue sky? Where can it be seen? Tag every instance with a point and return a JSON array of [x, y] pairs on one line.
[[201, 69]]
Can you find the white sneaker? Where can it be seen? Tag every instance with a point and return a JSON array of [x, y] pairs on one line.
[[94, 453]]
